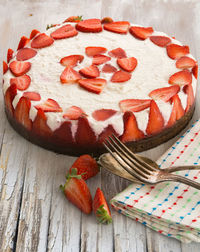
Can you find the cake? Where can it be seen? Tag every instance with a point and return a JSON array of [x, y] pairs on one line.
[[71, 87]]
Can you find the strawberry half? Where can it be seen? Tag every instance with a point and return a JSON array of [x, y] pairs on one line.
[[108, 131], [63, 134], [190, 96], [66, 31], [108, 68], [106, 20], [90, 72], [160, 40], [71, 60], [185, 62], [195, 71], [9, 97], [103, 114], [117, 27], [127, 64], [49, 105], [93, 85], [41, 41], [73, 19], [23, 41], [86, 166], [175, 51], [9, 55], [34, 33], [69, 75], [100, 208], [89, 25], [141, 32], [21, 82], [73, 113], [33, 96], [19, 68], [5, 67], [25, 54], [120, 76], [177, 111], [100, 59], [77, 191], [94, 50], [134, 105], [156, 121], [117, 53], [165, 93], [181, 78]]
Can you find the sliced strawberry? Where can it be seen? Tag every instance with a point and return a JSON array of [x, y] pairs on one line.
[[118, 27], [25, 54], [22, 113], [106, 20], [66, 31], [94, 50], [5, 67], [180, 78], [89, 25], [77, 191], [90, 72], [141, 32], [156, 121], [93, 85], [63, 134], [34, 33], [177, 111], [73, 113], [100, 208], [108, 131], [73, 19], [41, 41], [190, 96], [23, 41], [100, 59], [165, 93], [103, 114], [107, 68], [49, 105], [85, 165], [185, 62], [120, 76], [9, 97], [69, 75], [21, 82], [175, 51], [71, 60], [195, 71], [160, 40], [117, 53], [33, 96], [127, 64], [19, 68], [9, 55], [134, 105]]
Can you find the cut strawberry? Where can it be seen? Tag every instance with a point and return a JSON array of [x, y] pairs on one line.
[[120, 76], [131, 130], [90, 72], [22, 113], [127, 64], [9, 55], [100, 208], [89, 25], [73, 113], [19, 68], [134, 105], [195, 71], [177, 111], [72, 60], [100, 59], [34, 33], [190, 96], [63, 134], [77, 191], [93, 85], [69, 75], [117, 53], [118, 27], [160, 40], [33, 96], [73, 19], [165, 93], [21, 82], [49, 106], [107, 68], [85, 165], [156, 121], [25, 54], [5, 67], [141, 32], [181, 78], [94, 50], [9, 97], [185, 62], [106, 20], [66, 31], [103, 114], [41, 41], [108, 131], [175, 51], [23, 42]]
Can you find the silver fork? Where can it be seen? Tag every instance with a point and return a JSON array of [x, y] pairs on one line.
[[142, 170]]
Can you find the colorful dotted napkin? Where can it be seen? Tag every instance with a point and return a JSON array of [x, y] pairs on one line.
[[170, 208]]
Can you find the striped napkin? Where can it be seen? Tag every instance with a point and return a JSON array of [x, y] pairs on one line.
[[170, 208]]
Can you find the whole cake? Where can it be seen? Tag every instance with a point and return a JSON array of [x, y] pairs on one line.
[[71, 87]]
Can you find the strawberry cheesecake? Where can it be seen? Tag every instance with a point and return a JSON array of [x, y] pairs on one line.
[[71, 87]]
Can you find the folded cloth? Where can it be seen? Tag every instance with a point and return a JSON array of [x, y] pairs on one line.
[[170, 208]]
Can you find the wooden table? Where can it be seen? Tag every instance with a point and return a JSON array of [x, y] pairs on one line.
[[34, 215]]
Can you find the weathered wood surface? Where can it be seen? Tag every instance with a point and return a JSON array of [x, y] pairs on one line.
[[34, 215]]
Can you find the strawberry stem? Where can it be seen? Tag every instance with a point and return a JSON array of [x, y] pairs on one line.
[[103, 216]]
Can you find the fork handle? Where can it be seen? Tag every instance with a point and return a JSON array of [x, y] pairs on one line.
[[178, 178], [182, 168]]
